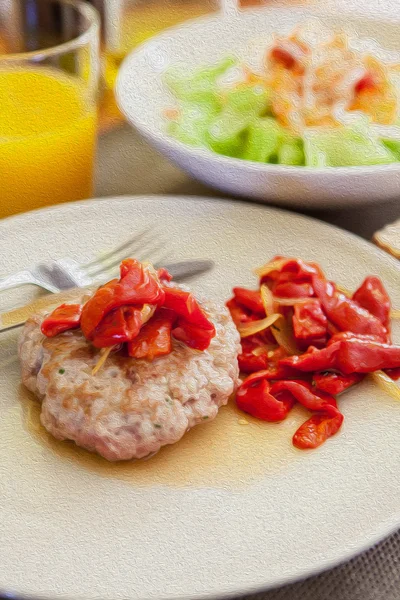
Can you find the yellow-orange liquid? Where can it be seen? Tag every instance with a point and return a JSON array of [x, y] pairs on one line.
[[47, 139], [232, 451]]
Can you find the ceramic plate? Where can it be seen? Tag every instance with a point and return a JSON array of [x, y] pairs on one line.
[[230, 509]]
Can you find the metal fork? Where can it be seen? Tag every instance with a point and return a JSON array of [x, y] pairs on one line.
[[66, 273]]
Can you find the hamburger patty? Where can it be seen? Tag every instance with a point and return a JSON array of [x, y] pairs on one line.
[[130, 408]]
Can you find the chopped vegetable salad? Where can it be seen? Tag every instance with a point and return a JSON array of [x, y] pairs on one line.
[[316, 101]]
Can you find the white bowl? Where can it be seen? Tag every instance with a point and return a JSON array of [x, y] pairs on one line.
[[142, 97]]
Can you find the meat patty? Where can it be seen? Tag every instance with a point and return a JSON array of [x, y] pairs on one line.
[[130, 408]]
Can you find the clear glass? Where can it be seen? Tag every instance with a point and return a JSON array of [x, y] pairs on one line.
[[49, 69]]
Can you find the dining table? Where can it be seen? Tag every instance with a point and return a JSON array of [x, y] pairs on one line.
[[127, 165]]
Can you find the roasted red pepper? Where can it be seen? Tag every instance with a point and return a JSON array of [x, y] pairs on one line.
[[313, 359], [63, 318], [335, 383], [193, 327], [309, 322], [154, 339], [304, 393], [238, 313], [185, 305], [345, 313], [348, 356], [253, 397], [291, 289], [372, 296], [316, 430], [118, 326], [292, 269], [136, 286], [249, 299], [164, 275]]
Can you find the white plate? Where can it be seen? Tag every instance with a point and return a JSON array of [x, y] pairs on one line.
[[142, 96], [229, 509]]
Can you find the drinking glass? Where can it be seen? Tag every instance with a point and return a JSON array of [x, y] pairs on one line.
[[49, 68]]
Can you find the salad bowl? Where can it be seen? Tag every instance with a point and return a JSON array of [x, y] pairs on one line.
[[145, 98]]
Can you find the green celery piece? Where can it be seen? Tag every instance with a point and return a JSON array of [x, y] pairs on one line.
[[393, 145], [344, 147], [291, 152], [254, 99], [192, 124], [200, 86], [225, 132], [264, 138]]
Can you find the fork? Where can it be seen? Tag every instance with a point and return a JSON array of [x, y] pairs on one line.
[[66, 273]]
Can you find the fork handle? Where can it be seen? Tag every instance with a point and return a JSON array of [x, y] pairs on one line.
[[16, 280]]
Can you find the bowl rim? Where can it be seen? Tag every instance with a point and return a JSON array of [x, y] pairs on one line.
[[158, 136]]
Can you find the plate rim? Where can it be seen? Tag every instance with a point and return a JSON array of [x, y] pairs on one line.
[[211, 200]]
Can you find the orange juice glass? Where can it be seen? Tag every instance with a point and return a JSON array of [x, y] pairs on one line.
[[48, 92]]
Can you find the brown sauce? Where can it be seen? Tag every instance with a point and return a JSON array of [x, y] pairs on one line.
[[233, 450]]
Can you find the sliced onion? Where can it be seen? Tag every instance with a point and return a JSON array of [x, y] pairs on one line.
[[290, 301], [253, 327], [104, 354], [267, 300], [147, 312], [260, 350], [275, 265], [344, 291], [283, 333], [386, 383]]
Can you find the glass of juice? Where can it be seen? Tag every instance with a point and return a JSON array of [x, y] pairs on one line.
[[49, 68]]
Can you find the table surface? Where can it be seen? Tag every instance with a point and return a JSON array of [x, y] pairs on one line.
[[128, 165]]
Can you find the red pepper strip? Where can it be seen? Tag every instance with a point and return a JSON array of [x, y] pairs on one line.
[[293, 270], [118, 326], [194, 328], [192, 335], [348, 356], [290, 289], [345, 313], [154, 338], [250, 299], [64, 317], [303, 392], [137, 286], [309, 322], [186, 306], [348, 335], [238, 313], [335, 383], [253, 397], [393, 373], [332, 329], [372, 296], [316, 430], [164, 275], [363, 356], [267, 363], [314, 359]]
